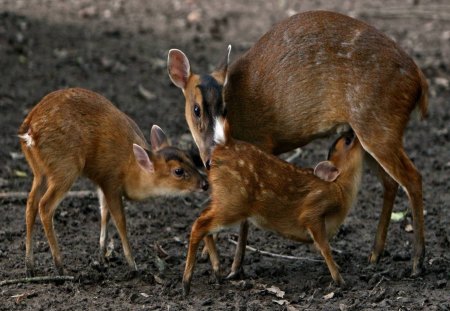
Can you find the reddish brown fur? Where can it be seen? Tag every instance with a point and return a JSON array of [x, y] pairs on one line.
[[307, 77], [250, 184], [77, 132]]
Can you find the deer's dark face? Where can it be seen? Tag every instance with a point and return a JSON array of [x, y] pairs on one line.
[[203, 105], [203, 96]]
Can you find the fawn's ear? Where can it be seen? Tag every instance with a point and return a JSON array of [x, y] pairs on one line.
[[178, 68], [158, 138], [327, 171], [142, 159]]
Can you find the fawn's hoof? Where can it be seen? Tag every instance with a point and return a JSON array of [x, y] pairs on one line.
[[374, 258], [218, 277], [29, 266], [186, 288], [61, 270], [417, 269], [340, 282], [236, 275], [30, 273]]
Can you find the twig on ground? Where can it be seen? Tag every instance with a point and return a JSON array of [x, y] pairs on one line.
[[338, 251], [38, 279], [277, 255], [376, 285], [310, 298], [24, 195]]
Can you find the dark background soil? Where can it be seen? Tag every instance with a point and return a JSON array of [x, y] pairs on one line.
[[119, 47]]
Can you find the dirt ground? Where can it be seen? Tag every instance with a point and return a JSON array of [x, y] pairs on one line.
[[119, 48]]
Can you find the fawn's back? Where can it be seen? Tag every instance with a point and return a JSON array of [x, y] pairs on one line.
[[78, 131], [276, 195]]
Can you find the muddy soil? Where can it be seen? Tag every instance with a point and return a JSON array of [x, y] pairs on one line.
[[119, 48]]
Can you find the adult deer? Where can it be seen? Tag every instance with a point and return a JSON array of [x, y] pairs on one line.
[[311, 75]]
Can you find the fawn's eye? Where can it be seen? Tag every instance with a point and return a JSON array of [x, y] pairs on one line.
[[178, 172], [197, 110], [348, 140]]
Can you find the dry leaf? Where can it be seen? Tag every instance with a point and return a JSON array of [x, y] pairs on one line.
[[397, 216], [240, 283], [20, 297], [145, 295], [20, 173], [409, 228], [194, 17], [441, 82], [158, 279], [281, 302], [160, 252], [328, 296], [276, 291]]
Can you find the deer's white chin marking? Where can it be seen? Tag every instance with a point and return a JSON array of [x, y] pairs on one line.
[[219, 131]]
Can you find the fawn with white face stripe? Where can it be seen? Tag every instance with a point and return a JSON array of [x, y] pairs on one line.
[[76, 132], [300, 204], [310, 75]]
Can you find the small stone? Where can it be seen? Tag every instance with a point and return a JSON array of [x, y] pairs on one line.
[[207, 302], [441, 283]]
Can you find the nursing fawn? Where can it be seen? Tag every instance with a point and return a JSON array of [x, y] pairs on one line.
[[301, 204], [76, 132]]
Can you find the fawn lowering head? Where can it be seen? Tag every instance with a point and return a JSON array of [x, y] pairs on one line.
[[76, 132], [249, 184]]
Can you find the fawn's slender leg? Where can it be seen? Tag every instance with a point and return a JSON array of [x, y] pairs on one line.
[[236, 268], [104, 210], [36, 193], [115, 205], [319, 235], [47, 207], [213, 256]]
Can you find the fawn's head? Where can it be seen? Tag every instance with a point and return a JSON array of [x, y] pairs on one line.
[[167, 170], [346, 152]]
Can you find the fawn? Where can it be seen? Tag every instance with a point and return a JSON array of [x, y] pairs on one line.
[[300, 204], [74, 132], [310, 75]]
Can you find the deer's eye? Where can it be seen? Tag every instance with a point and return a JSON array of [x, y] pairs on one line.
[[197, 110], [178, 172], [348, 140]]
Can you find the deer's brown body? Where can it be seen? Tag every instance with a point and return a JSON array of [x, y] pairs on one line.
[[76, 132], [310, 75], [274, 195]]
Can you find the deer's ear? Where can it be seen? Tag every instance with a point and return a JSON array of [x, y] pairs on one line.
[[142, 159], [327, 171], [178, 68], [158, 138], [221, 72]]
